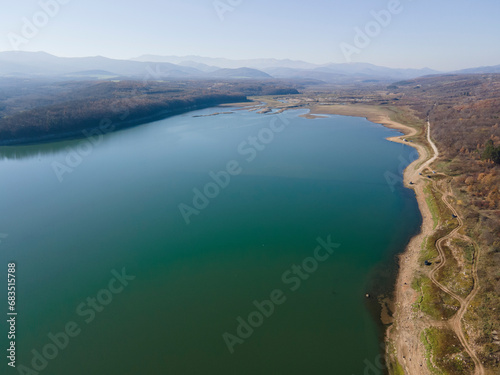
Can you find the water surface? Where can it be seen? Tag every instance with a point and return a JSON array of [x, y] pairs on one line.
[[117, 206]]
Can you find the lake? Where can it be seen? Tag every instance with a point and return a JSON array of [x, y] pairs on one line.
[[238, 243]]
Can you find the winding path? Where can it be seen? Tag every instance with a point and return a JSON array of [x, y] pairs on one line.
[[434, 148], [455, 322], [405, 332]]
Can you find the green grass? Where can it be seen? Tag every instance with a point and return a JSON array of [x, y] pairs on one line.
[[428, 246], [428, 249], [455, 276], [405, 117], [433, 301], [444, 353], [393, 365], [396, 368], [468, 250], [431, 203], [429, 352], [440, 212]]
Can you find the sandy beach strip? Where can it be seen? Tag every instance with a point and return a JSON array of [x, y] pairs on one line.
[[404, 333]]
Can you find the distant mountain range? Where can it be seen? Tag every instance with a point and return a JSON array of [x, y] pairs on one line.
[[294, 69], [260, 64], [41, 64], [22, 64], [480, 70]]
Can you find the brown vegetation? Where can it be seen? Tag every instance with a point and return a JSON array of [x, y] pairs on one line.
[[465, 114], [31, 112]]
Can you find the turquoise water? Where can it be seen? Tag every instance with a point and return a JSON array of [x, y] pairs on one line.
[[77, 214]]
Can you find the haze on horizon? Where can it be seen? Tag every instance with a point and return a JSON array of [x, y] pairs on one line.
[[446, 35]]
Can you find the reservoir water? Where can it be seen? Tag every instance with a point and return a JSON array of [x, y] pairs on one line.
[[240, 243]]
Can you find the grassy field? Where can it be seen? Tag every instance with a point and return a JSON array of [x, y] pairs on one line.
[[457, 275], [433, 301], [394, 367], [444, 353]]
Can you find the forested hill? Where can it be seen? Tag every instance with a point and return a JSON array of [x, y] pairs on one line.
[[36, 110], [465, 109]]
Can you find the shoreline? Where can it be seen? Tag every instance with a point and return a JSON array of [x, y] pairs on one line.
[[116, 126], [403, 336], [404, 333]]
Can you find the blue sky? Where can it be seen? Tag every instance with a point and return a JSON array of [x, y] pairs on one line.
[[443, 34]]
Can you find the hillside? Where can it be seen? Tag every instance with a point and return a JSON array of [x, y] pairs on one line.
[[42, 110]]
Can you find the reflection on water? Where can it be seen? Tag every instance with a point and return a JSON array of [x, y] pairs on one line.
[[119, 207], [33, 151]]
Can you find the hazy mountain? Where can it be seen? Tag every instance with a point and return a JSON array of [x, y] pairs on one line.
[[41, 63], [240, 73], [92, 74], [350, 72], [299, 69], [375, 71], [287, 73], [29, 64], [44, 64], [228, 63], [480, 70], [202, 67]]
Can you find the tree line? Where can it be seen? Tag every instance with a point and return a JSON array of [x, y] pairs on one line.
[[70, 108]]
